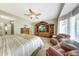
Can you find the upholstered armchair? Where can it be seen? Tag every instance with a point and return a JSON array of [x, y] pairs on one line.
[[61, 37]]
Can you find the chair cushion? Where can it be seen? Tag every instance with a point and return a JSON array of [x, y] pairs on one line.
[[61, 50], [61, 37], [68, 47], [72, 53]]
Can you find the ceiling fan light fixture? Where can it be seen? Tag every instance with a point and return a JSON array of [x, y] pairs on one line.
[[32, 16]]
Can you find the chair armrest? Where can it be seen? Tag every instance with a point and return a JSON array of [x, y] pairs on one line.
[[53, 52]]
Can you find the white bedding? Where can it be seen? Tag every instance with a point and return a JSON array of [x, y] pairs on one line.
[[19, 45]]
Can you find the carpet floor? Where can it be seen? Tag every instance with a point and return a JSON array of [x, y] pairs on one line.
[[47, 44]]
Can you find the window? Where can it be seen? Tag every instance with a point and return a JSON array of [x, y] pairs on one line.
[[70, 24], [72, 27], [63, 26], [77, 26], [67, 26]]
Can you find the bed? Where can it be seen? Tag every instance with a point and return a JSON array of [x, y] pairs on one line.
[[19, 45]]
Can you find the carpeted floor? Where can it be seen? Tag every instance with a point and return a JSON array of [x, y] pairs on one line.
[[42, 51]]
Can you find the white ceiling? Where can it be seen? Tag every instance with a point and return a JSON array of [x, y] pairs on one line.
[[48, 11], [68, 7]]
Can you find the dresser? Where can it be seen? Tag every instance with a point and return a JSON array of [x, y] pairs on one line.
[[25, 30]]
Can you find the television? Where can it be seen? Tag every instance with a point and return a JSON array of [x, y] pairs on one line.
[[42, 28]]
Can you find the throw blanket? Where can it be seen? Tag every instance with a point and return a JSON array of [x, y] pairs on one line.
[[19, 45]]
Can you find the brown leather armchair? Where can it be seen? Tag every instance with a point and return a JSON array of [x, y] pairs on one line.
[[58, 38], [64, 49], [51, 51]]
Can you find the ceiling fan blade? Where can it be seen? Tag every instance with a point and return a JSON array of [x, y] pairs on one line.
[[33, 14], [31, 11], [38, 14], [27, 14]]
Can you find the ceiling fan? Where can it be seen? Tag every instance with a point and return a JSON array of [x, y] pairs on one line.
[[32, 14]]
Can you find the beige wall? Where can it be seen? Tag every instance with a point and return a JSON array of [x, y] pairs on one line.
[[54, 21], [18, 22]]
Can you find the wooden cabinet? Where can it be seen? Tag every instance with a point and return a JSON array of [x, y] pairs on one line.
[[51, 29], [25, 30], [47, 30]]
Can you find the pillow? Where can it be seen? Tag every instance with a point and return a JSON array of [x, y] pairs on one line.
[[68, 47]]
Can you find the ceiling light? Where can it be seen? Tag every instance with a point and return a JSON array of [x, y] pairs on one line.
[[32, 15]]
